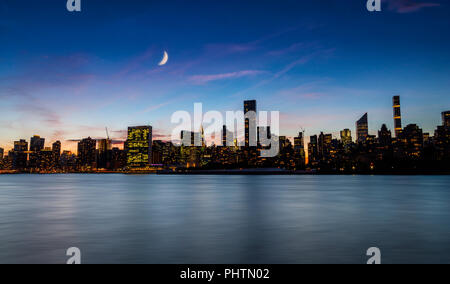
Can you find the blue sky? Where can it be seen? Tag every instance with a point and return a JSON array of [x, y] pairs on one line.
[[322, 64]]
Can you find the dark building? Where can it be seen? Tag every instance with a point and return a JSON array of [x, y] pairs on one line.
[[299, 151], [313, 150], [104, 153], [397, 115], [36, 146], [362, 129], [1, 153], [56, 150], [250, 123], [411, 142], [87, 153], [446, 118], [139, 147], [20, 156], [384, 136], [324, 145]]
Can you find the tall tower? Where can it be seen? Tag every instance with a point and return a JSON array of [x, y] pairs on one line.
[[250, 123], [446, 118], [397, 115], [362, 128]]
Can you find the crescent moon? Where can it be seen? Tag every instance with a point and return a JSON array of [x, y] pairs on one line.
[[165, 59]]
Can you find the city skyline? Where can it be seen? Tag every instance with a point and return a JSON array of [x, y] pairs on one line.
[[358, 135], [320, 68]]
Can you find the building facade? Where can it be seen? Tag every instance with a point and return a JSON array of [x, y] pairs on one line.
[[139, 147]]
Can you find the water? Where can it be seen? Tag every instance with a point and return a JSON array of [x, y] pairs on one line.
[[224, 219]]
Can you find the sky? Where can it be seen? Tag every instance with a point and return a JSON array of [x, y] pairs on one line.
[[322, 64]]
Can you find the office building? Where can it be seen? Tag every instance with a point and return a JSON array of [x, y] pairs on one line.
[[20, 155], [36, 146], [346, 137], [446, 118], [56, 150], [362, 129], [139, 147], [397, 115], [250, 123], [87, 153]]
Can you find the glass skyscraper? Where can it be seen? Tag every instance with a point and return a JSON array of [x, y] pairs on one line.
[[362, 128]]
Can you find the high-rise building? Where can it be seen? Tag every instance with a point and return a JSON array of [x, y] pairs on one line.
[[86, 153], [1, 153], [36, 146], [324, 145], [362, 128], [346, 137], [139, 147], [397, 115], [250, 123], [104, 153], [20, 155], [299, 150], [446, 118], [313, 149], [56, 150], [412, 141], [384, 136]]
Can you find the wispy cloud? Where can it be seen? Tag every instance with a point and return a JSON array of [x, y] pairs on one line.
[[203, 79], [409, 6]]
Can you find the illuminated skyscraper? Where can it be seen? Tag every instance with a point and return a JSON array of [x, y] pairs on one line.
[[446, 118], [139, 146], [87, 153], [397, 115], [250, 123], [362, 128], [346, 137]]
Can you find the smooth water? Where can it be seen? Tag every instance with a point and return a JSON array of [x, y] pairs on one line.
[[224, 219]]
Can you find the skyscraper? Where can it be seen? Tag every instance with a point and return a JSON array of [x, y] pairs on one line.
[[1, 153], [36, 146], [104, 152], [397, 115], [86, 153], [20, 155], [139, 146], [56, 150], [313, 149], [384, 136], [346, 137], [362, 128], [446, 118], [250, 123]]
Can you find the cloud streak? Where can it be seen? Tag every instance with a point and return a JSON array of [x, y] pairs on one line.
[[409, 6], [203, 79]]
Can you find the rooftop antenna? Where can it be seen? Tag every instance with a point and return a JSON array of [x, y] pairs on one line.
[[107, 134]]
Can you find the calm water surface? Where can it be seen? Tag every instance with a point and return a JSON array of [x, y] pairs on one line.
[[224, 219]]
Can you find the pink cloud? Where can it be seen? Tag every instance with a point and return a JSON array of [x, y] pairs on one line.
[[409, 6], [202, 79]]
